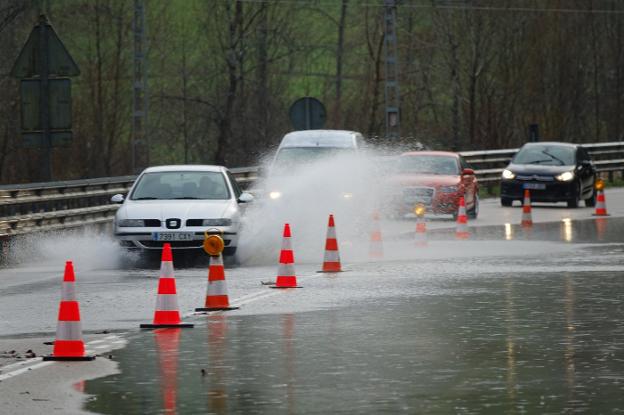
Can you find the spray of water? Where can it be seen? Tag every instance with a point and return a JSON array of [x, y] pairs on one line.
[[89, 249], [346, 186]]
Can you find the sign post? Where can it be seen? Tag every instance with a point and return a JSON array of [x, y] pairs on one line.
[[307, 113], [44, 65]]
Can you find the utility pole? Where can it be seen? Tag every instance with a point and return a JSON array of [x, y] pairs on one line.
[[393, 98], [140, 141]]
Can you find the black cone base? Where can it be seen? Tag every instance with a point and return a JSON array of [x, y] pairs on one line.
[[283, 288], [216, 308], [162, 326], [69, 358]]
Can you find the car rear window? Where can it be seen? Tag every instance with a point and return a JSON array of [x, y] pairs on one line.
[[181, 185]]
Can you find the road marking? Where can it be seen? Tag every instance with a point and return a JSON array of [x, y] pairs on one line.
[[24, 370]]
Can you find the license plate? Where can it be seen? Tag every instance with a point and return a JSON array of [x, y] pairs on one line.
[[535, 186], [417, 199], [172, 236]]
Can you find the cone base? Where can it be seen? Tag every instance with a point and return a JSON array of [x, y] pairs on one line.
[[161, 326], [216, 308], [600, 214], [330, 272], [275, 286], [69, 358]]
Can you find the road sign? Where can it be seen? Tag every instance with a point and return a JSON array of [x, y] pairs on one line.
[[30, 61], [43, 66], [307, 113]]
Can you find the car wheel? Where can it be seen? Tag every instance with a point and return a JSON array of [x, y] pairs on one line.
[[591, 202], [505, 201], [474, 212]]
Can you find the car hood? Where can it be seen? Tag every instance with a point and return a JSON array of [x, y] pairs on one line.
[[183, 209], [526, 169], [430, 180]]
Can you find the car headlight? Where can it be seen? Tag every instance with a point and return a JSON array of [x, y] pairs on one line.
[[508, 174], [217, 222], [448, 189], [131, 223], [347, 195], [566, 176], [275, 195]]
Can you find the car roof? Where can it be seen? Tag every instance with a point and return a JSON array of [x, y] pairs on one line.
[[550, 143], [320, 138], [430, 153], [185, 167]]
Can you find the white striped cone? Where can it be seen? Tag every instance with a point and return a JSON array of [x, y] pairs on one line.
[[461, 230], [527, 219], [167, 312], [69, 344], [331, 259], [421, 231], [216, 293], [286, 277]]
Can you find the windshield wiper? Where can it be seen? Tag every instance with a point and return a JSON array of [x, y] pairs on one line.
[[186, 197], [145, 198], [538, 161], [553, 157]]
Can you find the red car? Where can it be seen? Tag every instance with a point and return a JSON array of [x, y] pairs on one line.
[[436, 179]]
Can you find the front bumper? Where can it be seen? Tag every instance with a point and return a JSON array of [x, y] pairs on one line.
[[435, 202], [144, 238], [553, 191]]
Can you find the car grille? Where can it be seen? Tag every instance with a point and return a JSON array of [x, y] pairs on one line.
[[535, 177], [418, 195]]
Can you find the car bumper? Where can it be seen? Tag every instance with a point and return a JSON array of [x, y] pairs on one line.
[[145, 239], [437, 204], [552, 192]]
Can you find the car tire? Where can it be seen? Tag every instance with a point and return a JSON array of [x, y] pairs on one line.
[[505, 201], [591, 202], [574, 202], [474, 212]]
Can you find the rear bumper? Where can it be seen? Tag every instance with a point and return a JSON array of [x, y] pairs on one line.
[[553, 192]]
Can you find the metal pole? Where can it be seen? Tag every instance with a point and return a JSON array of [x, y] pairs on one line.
[[392, 95], [140, 147], [44, 109]]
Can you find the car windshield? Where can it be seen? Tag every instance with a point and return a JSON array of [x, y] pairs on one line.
[[181, 185], [289, 158], [428, 165], [546, 155]]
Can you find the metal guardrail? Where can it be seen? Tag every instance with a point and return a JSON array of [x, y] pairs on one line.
[[35, 207]]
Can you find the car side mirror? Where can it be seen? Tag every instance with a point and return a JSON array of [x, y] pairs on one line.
[[118, 198], [468, 172], [245, 197], [261, 171]]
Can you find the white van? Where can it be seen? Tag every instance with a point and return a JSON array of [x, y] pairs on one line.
[[305, 147]]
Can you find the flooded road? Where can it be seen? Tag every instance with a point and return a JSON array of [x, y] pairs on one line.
[[516, 322]]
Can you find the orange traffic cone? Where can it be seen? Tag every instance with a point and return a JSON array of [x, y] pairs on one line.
[[286, 271], [167, 313], [601, 204], [421, 231], [331, 260], [461, 230], [375, 249], [527, 219], [68, 344], [216, 295]]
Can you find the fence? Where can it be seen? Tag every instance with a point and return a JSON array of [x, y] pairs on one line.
[[61, 205]]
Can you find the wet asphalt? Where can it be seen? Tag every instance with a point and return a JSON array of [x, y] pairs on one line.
[[514, 321]]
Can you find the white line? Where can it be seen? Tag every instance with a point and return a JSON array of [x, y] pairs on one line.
[[23, 370], [95, 341], [20, 363]]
